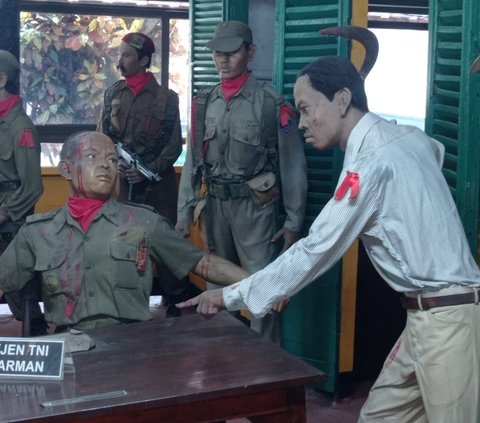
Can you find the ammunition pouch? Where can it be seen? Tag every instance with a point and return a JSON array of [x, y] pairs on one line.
[[264, 189]]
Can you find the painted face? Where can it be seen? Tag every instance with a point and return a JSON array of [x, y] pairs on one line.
[[128, 62], [233, 64], [320, 119], [93, 167]]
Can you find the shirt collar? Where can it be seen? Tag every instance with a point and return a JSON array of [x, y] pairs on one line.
[[247, 91], [110, 211], [358, 134]]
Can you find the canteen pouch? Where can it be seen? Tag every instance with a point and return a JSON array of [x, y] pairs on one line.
[[264, 189]]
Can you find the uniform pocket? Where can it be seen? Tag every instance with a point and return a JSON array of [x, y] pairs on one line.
[[130, 290], [124, 265], [50, 269], [6, 149], [150, 125], [245, 146], [264, 189]]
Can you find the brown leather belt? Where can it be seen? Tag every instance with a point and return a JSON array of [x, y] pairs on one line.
[[426, 303]]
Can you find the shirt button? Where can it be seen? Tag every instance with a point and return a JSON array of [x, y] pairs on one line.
[[224, 131], [88, 267], [91, 294], [87, 238]]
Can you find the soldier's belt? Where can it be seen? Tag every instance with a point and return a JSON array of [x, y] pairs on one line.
[[9, 185], [228, 190], [11, 227]]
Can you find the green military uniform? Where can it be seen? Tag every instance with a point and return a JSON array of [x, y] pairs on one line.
[[149, 123], [19, 163], [100, 277], [20, 181], [237, 147]]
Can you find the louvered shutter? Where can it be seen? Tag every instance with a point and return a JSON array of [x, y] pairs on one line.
[[454, 102], [311, 322]]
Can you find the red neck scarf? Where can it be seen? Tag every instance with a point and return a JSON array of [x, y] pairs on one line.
[[230, 87], [83, 210], [7, 105], [137, 82]]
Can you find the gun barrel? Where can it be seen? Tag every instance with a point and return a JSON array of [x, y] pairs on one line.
[[133, 160]]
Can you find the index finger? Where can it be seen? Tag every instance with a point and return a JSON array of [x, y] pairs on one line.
[[189, 303]]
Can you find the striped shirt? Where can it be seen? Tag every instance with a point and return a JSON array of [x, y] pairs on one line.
[[404, 214]]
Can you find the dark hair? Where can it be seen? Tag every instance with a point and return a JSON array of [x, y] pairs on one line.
[[141, 53], [12, 87], [69, 145], [330, 74]]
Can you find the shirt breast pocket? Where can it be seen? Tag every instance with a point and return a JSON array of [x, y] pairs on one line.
[[124, 270], [244, 145], [209, 146], [150, 125], [52, 268], [6, 149]]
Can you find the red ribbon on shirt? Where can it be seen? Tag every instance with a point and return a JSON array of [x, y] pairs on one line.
[[286, 111], [26, 140], [352, 182]]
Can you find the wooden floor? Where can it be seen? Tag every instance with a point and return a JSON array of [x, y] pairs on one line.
[[321, 407]]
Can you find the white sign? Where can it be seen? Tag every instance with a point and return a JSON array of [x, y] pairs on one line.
[[31, 358]]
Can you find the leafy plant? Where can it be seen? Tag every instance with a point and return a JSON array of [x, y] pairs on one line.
[[68, 61]]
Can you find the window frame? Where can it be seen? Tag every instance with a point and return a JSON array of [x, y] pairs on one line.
[[56, 133]]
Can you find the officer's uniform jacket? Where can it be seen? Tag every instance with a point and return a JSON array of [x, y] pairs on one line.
[[19, 161], [233, 139], [149, 123], [103, 275]]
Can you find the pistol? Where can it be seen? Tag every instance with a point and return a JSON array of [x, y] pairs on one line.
[[132, 160]]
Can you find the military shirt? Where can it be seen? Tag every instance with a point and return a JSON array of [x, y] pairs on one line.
[[233, 139], [149, 123], [105, 272], [19, 161]]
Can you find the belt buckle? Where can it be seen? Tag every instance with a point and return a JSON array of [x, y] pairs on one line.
[[233, 188], [420, 302]]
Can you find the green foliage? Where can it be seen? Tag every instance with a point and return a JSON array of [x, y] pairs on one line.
[[69, 60]]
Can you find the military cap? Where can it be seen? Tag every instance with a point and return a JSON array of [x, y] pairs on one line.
[[9, 65], [229, 36], [140, 42]]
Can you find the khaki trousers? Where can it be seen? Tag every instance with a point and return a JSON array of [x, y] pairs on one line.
[[432, 373], [241, 233]]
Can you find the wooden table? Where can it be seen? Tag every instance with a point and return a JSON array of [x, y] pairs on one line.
[[181, 370]]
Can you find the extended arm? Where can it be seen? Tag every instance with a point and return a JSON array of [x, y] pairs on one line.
[[216, 269]]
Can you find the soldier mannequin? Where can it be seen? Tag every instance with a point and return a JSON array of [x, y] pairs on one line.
[[250, 154], [145, 116], [20, 176], [94, 255]]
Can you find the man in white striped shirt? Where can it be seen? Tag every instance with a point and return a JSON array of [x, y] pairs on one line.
[[393, 196]]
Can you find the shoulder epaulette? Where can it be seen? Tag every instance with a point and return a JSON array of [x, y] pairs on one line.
[[140, 205], [40, 217], [279, 99]]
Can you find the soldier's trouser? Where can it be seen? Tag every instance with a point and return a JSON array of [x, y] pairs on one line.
[[432, 373], [241, 233]]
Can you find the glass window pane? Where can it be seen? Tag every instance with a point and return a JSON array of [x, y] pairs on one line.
[[397, 85], [179, 74]]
